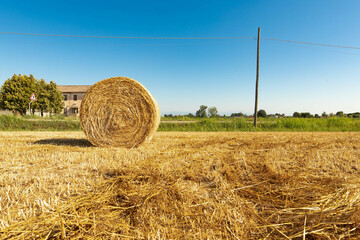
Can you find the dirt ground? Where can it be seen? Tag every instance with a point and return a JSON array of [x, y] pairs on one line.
[[181, 185]]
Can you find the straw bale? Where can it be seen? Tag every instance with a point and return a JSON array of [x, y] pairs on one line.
[[119, 112]]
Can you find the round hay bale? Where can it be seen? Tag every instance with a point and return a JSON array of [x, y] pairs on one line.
[[119, 112]]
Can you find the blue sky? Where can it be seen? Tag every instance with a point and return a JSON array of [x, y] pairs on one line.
[[184, 74]]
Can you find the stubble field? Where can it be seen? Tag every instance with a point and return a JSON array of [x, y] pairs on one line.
[[182, 185]]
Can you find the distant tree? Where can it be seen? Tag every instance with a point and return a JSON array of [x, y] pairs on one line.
[[324, 115], [356, 115], [190, 115], [340, 114], [317, 115], [261, 113], [213, 112], [16, 93], [202, 111], [240, 114], [296, 115], [306, 115]]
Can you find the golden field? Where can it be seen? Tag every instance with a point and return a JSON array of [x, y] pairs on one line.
[[278, 185]]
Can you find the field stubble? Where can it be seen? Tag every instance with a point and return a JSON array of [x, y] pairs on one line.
[[181, 186]]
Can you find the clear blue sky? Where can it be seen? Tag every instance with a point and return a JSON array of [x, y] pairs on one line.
[[183, 74]]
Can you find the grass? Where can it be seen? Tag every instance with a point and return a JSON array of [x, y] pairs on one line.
[[13, 123], [249, 185], [60, 123], [282, 124]]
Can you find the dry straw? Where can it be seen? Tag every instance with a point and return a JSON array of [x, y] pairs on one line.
[[119, 112], [267, 186]]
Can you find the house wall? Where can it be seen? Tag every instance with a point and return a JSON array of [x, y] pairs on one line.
[[72, 107]]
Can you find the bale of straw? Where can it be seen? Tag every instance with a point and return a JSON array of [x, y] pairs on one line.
[[119, 112]]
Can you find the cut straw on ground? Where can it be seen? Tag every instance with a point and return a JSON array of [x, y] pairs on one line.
[[182, 186]]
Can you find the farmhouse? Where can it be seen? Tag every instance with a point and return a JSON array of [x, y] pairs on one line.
[[73, 95]]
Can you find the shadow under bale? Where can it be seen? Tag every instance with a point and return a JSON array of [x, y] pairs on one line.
[[82, 142]]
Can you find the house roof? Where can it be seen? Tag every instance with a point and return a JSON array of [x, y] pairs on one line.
[[74, 88]]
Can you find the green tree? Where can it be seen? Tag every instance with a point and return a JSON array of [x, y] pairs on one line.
[[16, 93], [356, 115], [262, 113], [240, 114], [56, 98], [340, 114], [43, 96], [213, 112], [296, 115], [306, 115], [202, 111]]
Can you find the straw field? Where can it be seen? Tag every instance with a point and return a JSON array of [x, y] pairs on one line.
[[279, 185]]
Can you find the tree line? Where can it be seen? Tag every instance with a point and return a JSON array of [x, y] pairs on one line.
[[204, 112], [325, 115], [15, 95]]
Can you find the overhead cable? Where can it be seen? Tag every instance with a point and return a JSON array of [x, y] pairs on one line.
[[82, 36], [177, 38], [309, 43]]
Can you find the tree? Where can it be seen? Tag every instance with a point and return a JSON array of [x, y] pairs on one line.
[[240, 114], [202, 111], [340, 114], [213, 112], [1, 102], [324, 115], [43, 97], [261, 113], [306, 115], [16, 93], [296, 115], [356, 115], [55, 97]]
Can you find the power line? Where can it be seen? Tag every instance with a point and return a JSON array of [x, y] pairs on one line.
[[177, 38], [82, 36], [309, 43]]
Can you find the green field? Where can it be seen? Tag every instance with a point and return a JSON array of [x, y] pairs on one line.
[[13, 123]]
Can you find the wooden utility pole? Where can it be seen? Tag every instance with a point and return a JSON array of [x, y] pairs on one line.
[[257, 79]]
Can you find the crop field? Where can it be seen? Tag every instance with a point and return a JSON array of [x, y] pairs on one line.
[[181, 185]]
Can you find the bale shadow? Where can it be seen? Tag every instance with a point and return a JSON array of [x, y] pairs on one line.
[[82, 142]]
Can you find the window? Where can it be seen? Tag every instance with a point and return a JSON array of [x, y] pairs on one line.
[[75, 110], [65, 97], [75, 97]]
